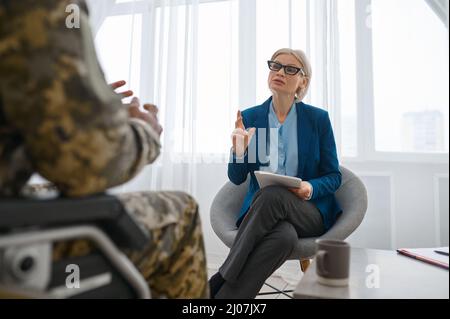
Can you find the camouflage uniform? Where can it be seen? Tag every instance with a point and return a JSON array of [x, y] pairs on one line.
[[59, 118]]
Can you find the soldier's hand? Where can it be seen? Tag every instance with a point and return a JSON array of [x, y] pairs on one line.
[[151, 116], [119, 84]]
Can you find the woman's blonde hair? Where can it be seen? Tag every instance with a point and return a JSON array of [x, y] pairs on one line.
[[304, 61]]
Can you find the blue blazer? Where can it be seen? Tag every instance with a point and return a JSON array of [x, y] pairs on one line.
[[317, 158]]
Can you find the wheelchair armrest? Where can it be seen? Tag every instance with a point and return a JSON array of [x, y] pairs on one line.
[[103, 210], [26, 264]]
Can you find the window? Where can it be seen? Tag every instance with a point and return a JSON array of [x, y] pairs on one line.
[[410, 69]]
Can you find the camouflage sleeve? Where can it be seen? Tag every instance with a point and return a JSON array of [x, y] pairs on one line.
[[76, 130]]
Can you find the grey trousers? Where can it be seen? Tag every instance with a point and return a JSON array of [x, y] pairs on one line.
[[265, 239]]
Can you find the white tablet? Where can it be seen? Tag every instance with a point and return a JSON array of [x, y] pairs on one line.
[[270, 179]]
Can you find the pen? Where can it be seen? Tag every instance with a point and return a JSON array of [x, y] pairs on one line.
[[441, 252]]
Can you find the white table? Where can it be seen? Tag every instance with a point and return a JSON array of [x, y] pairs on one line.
[[399, 277]]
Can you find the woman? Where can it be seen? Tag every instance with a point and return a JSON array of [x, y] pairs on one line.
[[299, 141]]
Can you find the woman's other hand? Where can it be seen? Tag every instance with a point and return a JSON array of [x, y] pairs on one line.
[[304, 192]]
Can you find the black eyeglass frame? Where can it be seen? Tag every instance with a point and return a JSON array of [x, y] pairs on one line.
[[295, 70]]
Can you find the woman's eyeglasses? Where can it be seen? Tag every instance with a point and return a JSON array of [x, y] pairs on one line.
[[288, 69]]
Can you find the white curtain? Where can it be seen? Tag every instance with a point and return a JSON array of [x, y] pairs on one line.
[[175, 90], [161, 53]]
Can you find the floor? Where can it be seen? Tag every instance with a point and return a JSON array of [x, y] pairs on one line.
[[275, 280]]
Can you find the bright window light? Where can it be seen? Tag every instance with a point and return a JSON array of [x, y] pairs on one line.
[[410, 54]]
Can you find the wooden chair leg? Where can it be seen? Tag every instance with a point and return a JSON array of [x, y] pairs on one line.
[[304, 264]]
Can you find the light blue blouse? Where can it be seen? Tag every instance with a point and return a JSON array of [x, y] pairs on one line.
[[283, 143]]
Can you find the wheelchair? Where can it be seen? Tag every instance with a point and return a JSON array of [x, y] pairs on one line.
[[29, 228]]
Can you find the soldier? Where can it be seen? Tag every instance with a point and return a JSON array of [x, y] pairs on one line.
[[59, 118]]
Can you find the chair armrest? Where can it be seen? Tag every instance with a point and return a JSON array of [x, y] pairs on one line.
[[104, 211]]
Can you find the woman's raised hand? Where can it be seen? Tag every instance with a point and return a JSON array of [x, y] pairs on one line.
[[241, 137]]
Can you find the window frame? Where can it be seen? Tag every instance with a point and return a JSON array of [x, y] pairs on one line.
[[366, 148]]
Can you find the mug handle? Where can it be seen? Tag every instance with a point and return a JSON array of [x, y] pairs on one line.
[[320, 259]]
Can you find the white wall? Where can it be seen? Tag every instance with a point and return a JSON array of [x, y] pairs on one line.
[[408, 205]]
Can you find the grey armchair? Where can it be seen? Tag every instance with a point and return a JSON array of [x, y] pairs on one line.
[[351, 195]]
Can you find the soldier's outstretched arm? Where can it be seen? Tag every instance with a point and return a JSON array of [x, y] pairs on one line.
[[75, 128]]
